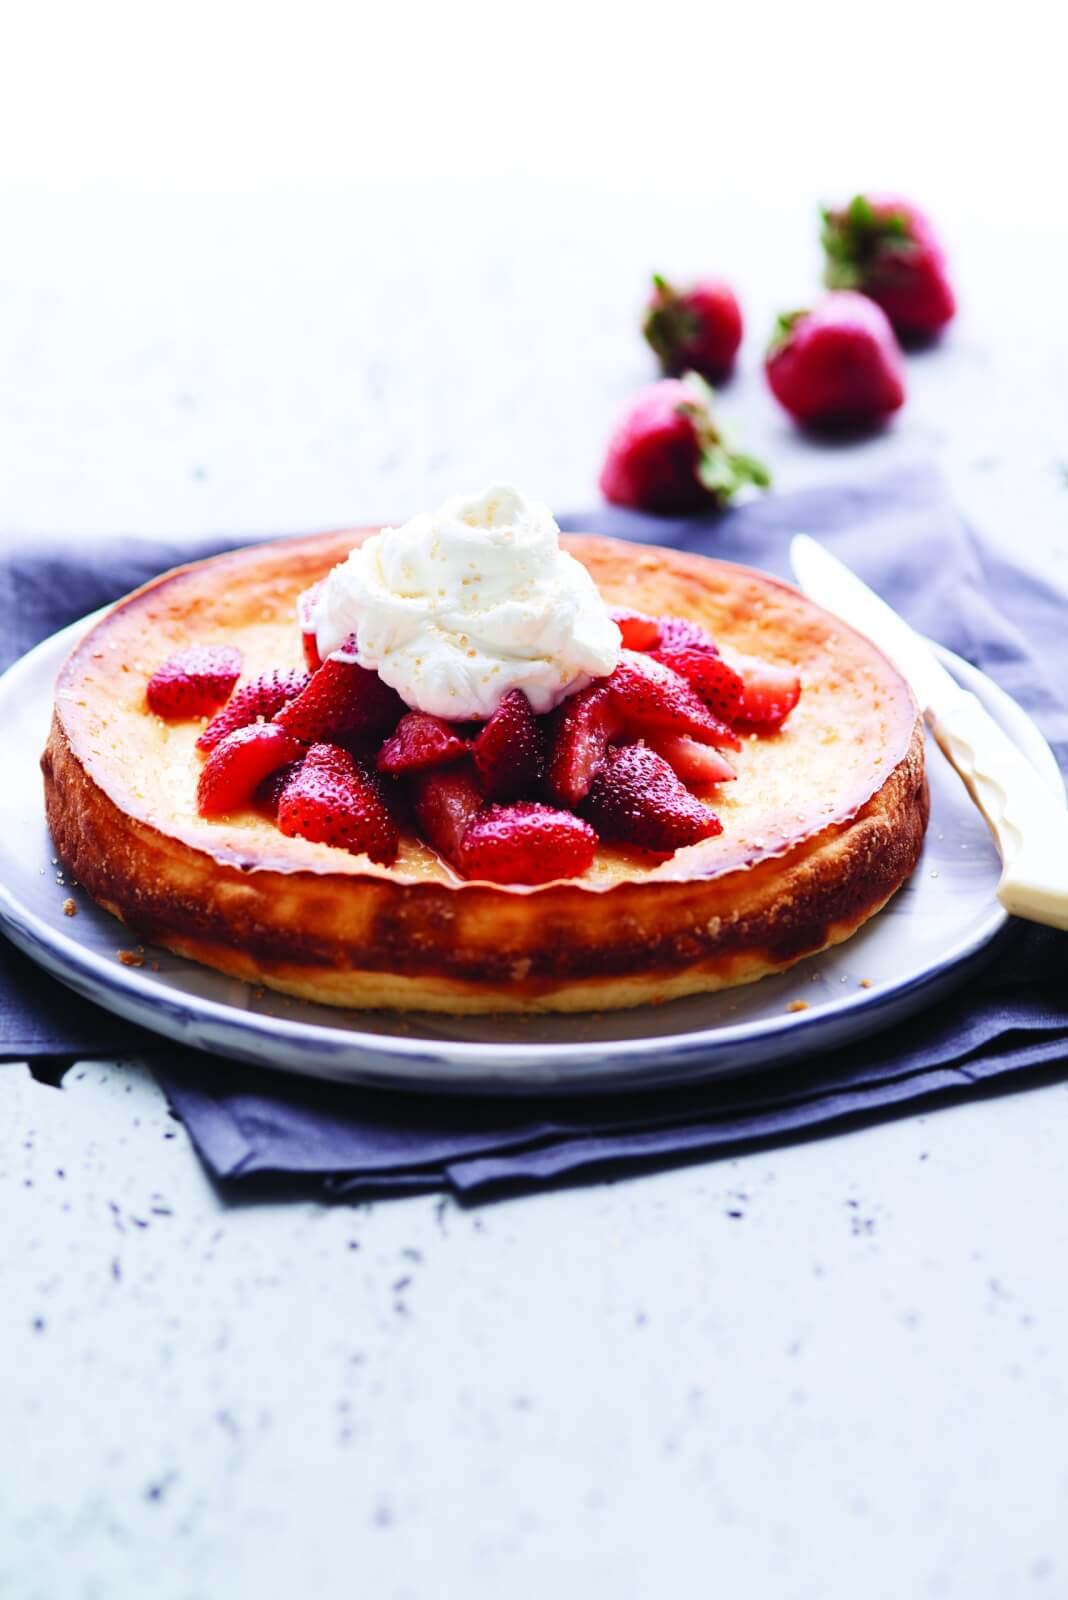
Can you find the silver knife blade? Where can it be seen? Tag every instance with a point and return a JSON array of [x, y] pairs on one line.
[[834, 586]]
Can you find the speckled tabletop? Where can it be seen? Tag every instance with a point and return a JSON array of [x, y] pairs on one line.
[[831, 1367]]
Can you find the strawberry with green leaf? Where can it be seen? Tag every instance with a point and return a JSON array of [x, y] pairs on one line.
[[668, 455], [838, 365], [694, 329], [887, 249]]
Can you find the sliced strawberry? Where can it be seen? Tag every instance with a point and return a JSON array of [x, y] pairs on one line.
[[769, 693], [637, 799], [717, 685], [239, 763], [343, 699], [305, 611], [650, 695], [679, 633], [694, 763], [509, 752], [640, 632], [420, 741], [193, 682], [445, 799], [580, 731], [526, 843], [331, 799], [260, 698], [268, 792]]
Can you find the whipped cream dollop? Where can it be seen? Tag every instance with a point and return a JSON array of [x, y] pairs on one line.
[[460, 605]]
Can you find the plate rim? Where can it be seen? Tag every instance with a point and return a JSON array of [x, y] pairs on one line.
[[143, 996]]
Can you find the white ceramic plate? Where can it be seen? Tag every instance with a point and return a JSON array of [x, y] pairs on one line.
[[927, 940]]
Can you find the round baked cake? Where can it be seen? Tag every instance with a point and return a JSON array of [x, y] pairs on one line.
[[821, 814]]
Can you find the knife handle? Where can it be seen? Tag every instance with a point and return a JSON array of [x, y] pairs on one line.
[[1028, 820]]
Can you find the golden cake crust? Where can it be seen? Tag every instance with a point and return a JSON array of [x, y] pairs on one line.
[[824, 823]]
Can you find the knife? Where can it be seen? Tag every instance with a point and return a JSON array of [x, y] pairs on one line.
[[1029, 822]]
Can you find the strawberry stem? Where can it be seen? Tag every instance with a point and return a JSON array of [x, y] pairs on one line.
[[784, 326], [720, 470], [854, 238], [668, 325]]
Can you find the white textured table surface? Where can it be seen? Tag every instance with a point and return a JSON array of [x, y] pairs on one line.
[[826, 1369]]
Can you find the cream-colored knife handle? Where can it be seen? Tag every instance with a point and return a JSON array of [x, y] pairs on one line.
[[1028, 821]]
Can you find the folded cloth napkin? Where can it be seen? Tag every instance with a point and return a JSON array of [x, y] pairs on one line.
[[905, 537]]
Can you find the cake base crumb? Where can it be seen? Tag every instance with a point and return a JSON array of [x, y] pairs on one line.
[[69, 908], [130, 958], [797, 1005], [865, 983]]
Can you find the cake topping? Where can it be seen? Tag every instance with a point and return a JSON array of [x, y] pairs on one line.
[[239, 762], [769, 693], [526, 843], [419, 741], [341, 700], [259, 699], [459, 606], [637, 798], [193, 682], [332, 799], [467, 680]]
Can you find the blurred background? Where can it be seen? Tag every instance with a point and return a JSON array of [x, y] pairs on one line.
[[270, 267]]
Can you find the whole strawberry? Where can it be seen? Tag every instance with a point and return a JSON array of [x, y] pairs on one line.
[[837, 365], [667, 455], [695, 329], [886, 248]]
